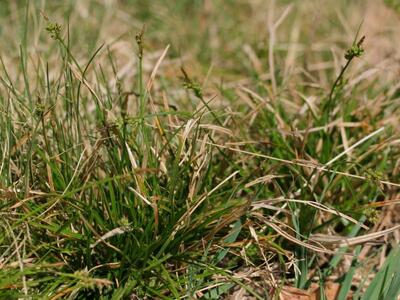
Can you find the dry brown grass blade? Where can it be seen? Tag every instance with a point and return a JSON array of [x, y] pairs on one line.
[[263, 180], [272, 28], [111, 233], [276, 226], [297, 241], [137, 176], [319, 206], [340, 241], [383, 203], [154, 72], [84, 82], [305, 164], [355, 145]]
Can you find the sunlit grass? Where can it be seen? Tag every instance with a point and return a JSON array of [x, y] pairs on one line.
[[193, 157]]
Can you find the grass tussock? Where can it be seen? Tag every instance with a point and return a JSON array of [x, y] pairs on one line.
[[199, 150]]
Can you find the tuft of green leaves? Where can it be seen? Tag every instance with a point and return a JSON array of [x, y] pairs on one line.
[[109, 190]]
